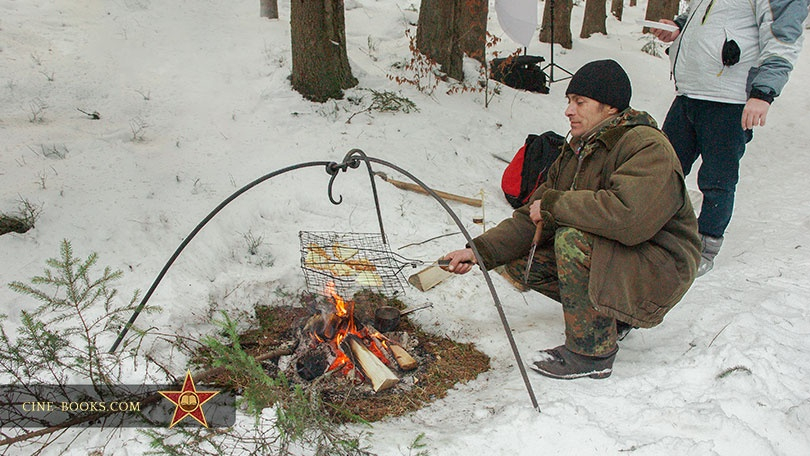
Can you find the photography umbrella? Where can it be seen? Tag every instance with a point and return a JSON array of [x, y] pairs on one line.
[[518, 19]]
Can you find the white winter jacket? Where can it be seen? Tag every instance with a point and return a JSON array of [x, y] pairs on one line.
[[768, 33]]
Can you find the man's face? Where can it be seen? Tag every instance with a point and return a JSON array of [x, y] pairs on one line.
[[585, 113]]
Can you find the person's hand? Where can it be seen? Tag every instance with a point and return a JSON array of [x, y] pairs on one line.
[[754, 113], [664, 35], [534, 212], [461, 261]]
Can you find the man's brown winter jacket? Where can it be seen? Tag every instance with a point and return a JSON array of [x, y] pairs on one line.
[[626, 188]]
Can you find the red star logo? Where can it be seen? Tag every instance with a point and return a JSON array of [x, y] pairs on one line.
[[188, 401]]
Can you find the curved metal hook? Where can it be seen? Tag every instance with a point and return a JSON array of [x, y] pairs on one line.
[[333, 168], [352, 160]]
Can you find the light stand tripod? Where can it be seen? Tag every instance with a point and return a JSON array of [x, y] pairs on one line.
[[551, 64]]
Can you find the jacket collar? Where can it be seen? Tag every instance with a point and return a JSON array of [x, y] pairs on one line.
[[613, 128]]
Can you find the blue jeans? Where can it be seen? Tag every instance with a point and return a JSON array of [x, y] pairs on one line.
[[713, 131]]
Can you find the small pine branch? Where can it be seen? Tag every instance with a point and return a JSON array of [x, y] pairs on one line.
[[81, 306], [386, 101], [259, 390], [302, 418], [731, 370], [419, 445]]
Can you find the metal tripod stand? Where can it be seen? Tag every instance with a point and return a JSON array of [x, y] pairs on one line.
[[551, 65]]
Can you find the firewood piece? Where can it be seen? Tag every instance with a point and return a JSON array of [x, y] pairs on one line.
[[428, 278], [404, 359], [380, 375], [401, 356]]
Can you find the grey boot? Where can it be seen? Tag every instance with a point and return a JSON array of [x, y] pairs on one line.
[[710, 246], [562, 363]]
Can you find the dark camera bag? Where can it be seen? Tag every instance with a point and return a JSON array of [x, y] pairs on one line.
[[520, 72]]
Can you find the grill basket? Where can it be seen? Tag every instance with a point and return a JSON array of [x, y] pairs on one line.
[[352, 261]]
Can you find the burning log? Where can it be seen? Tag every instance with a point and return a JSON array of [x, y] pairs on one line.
[[404, 359], [313, 363], [357, 348], [376, 371]]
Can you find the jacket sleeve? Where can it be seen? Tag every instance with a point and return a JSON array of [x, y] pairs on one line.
[[641, 195], [509, 240], [512, 238], [781, 23]]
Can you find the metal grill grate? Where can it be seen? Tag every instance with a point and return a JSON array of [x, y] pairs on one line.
[[352, 261]]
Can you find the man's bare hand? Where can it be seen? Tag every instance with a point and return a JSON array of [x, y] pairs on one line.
[[754, 113], [664, 35], [534, 212], [461, 261]]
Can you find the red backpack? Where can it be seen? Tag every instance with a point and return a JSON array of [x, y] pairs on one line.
[[529, 168]]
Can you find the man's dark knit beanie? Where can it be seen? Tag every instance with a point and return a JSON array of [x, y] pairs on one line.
[[604, 81]]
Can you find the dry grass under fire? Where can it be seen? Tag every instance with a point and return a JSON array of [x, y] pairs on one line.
[[442, 362]]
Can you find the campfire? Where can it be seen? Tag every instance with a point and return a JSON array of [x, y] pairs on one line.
[[300, 337], [356, 349]]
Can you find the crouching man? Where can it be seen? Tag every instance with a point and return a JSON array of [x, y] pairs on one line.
[[619, 243]]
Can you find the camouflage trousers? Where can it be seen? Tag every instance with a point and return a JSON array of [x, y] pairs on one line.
[[562, 272]]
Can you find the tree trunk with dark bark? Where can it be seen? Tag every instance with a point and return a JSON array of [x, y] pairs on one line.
[[562, 23], [437, 36], [473, 28], [617, 9], [320, 65], [594, 19], [661, 9], [268, 9]]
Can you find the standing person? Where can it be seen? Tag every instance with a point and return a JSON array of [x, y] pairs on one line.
[[619, 245], [730, 59]]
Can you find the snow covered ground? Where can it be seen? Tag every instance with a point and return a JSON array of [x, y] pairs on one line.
[[195, 103]]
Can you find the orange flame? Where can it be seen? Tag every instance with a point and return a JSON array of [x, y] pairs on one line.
[[344, 310]]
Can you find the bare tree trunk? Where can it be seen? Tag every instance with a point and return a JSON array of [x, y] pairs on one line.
[[661, 9], [594, 19], [617, 9], [473, 27], [562, 23], [320, 65], [437, 36], [268, 8]]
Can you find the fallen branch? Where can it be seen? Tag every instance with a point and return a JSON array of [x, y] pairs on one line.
[[93, 115], [418, 189], [428, 240], [718, 334]]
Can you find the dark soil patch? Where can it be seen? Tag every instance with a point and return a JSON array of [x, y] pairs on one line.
[[442, 362]]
